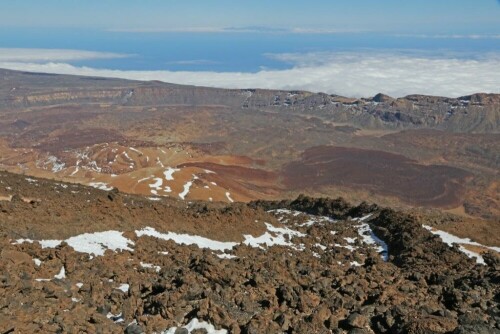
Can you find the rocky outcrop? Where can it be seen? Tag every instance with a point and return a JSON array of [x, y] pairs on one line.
[[322, 279]]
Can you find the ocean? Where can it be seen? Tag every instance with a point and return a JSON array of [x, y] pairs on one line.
[[229, 51]]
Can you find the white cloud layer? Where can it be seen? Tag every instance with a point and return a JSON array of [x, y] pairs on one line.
[[53, 55], [452, 36], [348, 74]]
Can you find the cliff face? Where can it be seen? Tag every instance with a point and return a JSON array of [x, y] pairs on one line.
[[474, 113]]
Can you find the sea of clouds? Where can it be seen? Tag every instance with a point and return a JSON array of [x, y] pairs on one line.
[[361, 73]]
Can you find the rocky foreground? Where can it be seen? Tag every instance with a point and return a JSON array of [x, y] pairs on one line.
[[75, 259]]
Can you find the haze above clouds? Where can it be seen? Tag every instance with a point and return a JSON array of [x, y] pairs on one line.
[[360, 74], [41, 55]]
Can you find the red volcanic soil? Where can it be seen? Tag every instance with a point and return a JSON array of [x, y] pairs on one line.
[[381, 172], [248, 182]]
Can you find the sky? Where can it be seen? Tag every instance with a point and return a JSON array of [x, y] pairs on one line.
[[423, 16], [346, 47]]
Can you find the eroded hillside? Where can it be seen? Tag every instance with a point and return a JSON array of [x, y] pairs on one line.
[[158, 139]]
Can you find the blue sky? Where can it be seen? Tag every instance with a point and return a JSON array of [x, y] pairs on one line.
[[396, 16]]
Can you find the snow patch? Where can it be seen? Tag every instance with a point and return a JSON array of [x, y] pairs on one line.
[[350, 240], [145, 178], [91, 243], [123, 287], [195, 324], [226, 256], [451, 239], [150, 266], [155, 187], [187, 239], [115, 318], [366, 233], [57, 166], [169, 172], [280, 236], [135, 150], [184, 192], [62, 274], [97, 243], [101, 186]]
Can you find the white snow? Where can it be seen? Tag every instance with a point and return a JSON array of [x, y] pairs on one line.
[[49, 243], [349, 247], [184, 193], [145, 178], [156, 186], [75, 171], [150, 266], [187, 239], [196, 324], [90, 243], [117, 318], [451, 239], [135, 150], [362, 219], [97, 243], [350, 240], [62, 274], [286, 211], [57, 166], [226, 256], [38, 263], [228, 195], [79, 285], [128, 157], [101, 185], [169, 172], [310, 221], [323, 247], [370, 238], [123, 287], [276, 238], [43, 243]]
